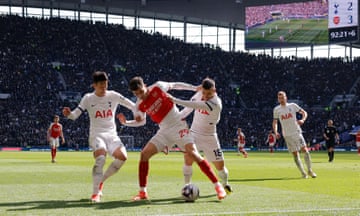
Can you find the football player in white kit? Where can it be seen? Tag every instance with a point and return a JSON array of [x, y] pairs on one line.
[[101, 106], [154, 101], [285, 113], [207, 105]]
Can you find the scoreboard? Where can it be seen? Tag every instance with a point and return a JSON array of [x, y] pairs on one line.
[[343, 21]]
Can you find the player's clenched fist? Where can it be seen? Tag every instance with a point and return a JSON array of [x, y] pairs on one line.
[[66, 111]]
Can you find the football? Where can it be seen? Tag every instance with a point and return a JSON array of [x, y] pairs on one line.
[[190, 192]]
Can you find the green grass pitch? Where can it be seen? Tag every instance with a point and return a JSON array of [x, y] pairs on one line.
[[301, 31], [263, 184]]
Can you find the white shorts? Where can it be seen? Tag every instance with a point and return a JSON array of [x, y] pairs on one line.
[[271, 144], [241, 145], [178, 134], [358, 144], [295, 142], [108, 141], [54, 142], [209, 144]]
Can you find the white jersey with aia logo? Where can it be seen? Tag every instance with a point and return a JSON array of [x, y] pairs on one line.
[[287, 117], [102, 110]]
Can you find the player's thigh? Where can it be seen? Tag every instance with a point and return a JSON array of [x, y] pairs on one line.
[[159, 141], [178, 134], [210, 146], [97, 142], [116, 147], [57, 142], [330, 144], [295, 142], [52, 142]]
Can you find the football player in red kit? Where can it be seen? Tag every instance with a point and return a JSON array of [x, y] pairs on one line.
[[154, 102], [271, 140], [241, 143], [53, 133]]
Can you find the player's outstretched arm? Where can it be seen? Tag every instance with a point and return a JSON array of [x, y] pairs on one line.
[[71, 114], [139, 120], [176, 86]]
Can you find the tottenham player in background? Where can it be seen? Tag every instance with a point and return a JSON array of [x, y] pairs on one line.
[[154, 101], [285, 113], [207, 107], [101, 106]]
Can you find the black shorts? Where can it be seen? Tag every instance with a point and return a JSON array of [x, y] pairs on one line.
[[330, 144]]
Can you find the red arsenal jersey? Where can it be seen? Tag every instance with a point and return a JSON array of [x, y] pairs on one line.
[[55, 130], [157, 105]]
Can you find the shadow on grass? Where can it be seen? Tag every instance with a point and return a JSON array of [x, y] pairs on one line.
[[262, 179], [85, 203]]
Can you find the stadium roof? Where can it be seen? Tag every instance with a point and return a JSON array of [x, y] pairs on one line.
[[218, 12], [224, 13]]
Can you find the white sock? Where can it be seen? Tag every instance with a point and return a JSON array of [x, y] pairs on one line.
[[299, 164], [224, 175], [187, 171], [143, 189], [307, 159], [112, 169], [97, 172]]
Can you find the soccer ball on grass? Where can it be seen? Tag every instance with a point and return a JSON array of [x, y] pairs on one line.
[[190, 192]]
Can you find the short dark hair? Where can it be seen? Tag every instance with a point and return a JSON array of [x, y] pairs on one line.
[[99, 76], [136, 83], [208, 83]]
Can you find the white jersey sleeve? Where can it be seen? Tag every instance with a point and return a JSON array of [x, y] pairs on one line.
[[184, 113], [137, 114], [81, 108], [187, 109], [195, 102], [166, 86]]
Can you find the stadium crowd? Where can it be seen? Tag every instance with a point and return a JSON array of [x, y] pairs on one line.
[[42, 57]]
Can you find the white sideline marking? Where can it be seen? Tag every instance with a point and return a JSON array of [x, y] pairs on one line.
[[266, 212]]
